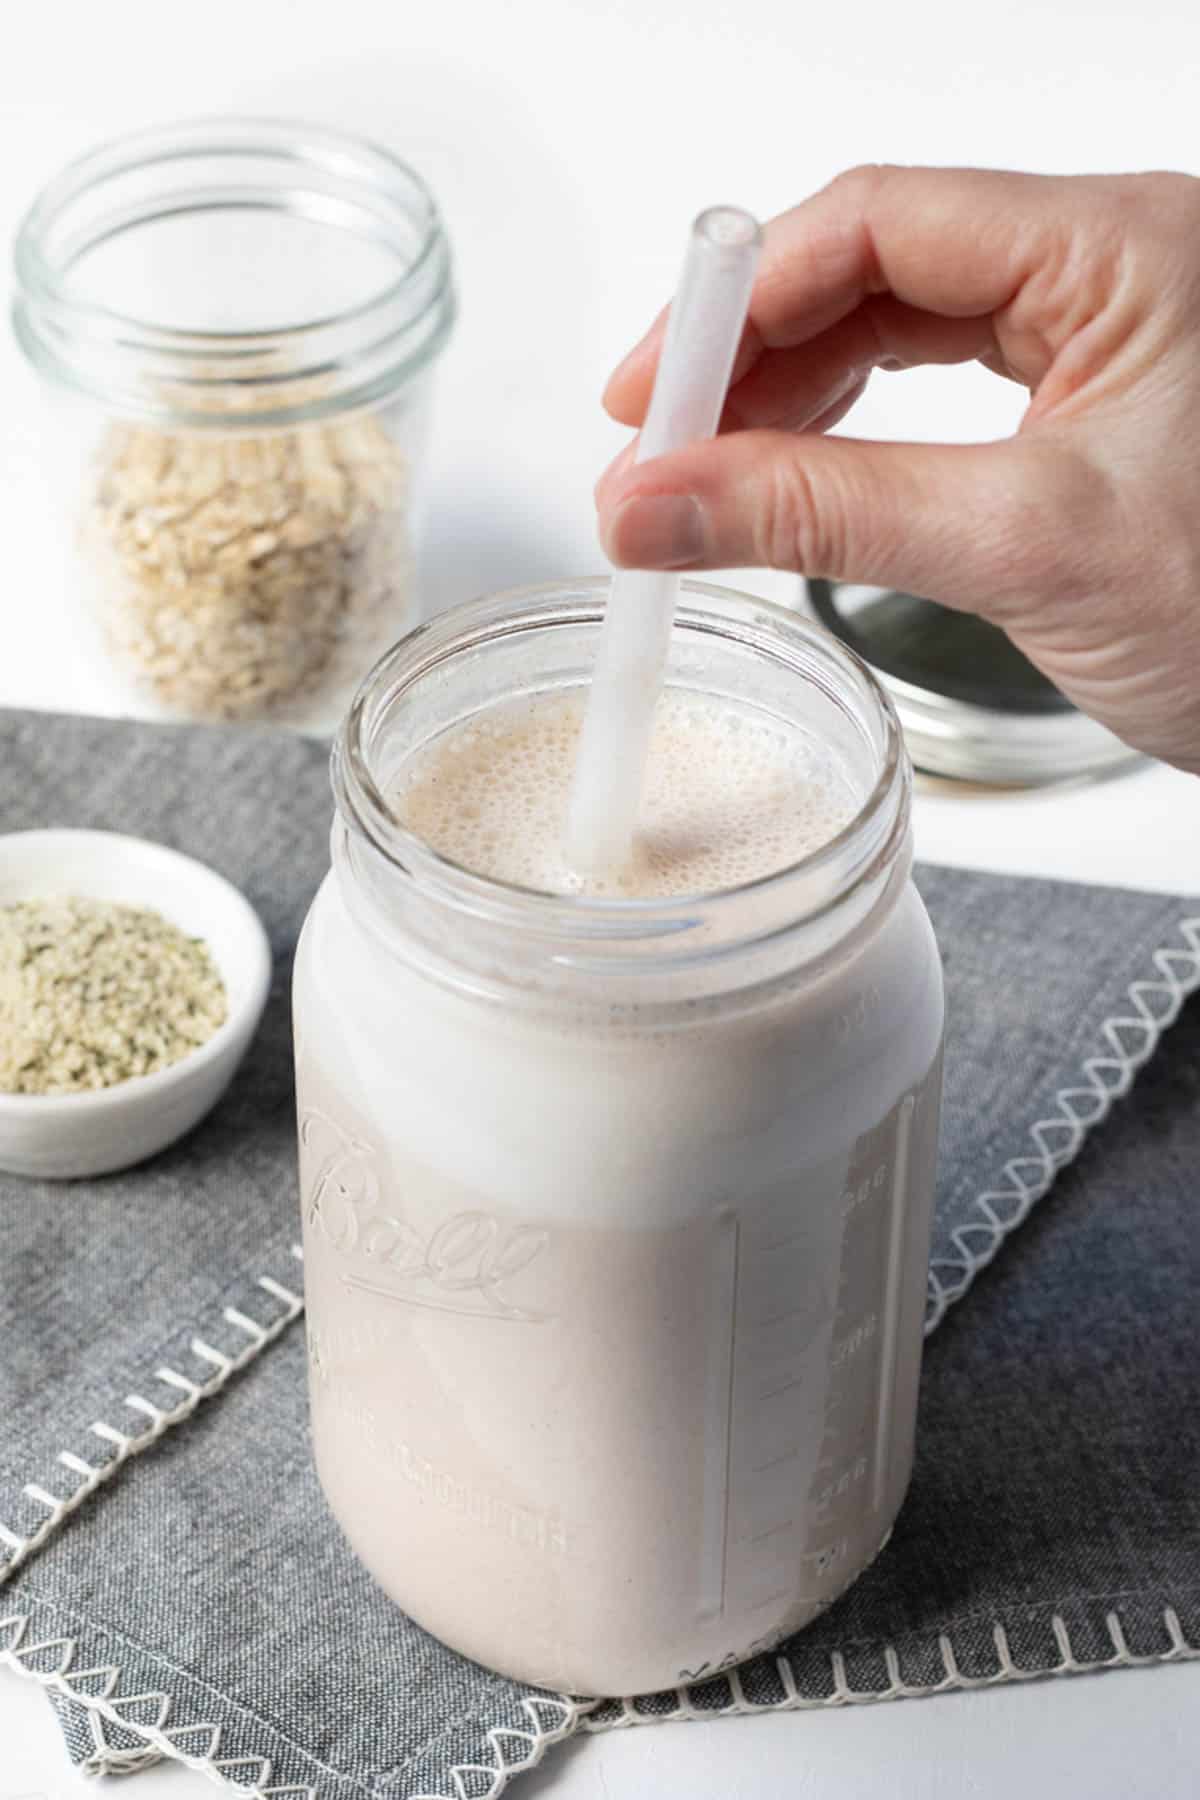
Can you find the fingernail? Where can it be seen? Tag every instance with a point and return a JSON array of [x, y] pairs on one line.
[[657, 531]]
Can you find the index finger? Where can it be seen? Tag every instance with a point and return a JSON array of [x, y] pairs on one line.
[[959, 243]]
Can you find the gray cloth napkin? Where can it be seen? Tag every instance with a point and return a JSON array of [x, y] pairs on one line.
[[174, 1578]]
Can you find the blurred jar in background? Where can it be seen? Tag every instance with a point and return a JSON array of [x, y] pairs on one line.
[[237, 321]]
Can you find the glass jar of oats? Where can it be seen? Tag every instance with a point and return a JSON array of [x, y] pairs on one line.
[[239, 321]]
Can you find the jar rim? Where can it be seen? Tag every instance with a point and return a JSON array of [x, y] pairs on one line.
[[830, 872], [393, 329]]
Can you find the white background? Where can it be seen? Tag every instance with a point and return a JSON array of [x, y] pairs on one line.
[[570, 141]]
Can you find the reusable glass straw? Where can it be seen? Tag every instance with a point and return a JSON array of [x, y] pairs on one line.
[[703, 331]]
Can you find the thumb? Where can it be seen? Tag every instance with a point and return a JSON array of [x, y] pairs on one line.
[[977, 525]]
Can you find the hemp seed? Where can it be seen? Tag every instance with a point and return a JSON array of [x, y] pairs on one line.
[[92, 993]]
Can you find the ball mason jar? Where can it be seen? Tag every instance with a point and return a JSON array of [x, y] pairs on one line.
[[616, 1212], [237, 322]]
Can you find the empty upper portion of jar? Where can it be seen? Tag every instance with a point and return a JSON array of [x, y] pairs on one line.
[[271, 269], [538, 642]]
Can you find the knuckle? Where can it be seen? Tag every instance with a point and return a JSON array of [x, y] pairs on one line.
[[860, 183], [1170, 190], [1157, 212], [803, 523], [863, 175]]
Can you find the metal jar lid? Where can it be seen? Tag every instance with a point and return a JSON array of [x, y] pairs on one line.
[[970, 704]]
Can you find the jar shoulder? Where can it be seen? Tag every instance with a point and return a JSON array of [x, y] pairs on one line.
[[883, 1000]]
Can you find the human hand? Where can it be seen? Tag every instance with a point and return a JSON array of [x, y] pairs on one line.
[[1080, 536]]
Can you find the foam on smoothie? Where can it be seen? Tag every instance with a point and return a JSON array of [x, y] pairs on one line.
[[731, 795]]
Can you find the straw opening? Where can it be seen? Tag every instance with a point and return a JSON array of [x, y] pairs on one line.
[[728, 228]]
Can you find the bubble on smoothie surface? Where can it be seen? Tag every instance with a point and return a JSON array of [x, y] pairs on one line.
[[731, 795]]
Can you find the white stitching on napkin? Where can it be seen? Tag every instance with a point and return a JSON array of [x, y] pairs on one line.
[[1178, 1650], [160, 1419], [101, 1696], [531, 1747], [567, 1714], [51, 1662], [108, 1760], [1058, 1139]]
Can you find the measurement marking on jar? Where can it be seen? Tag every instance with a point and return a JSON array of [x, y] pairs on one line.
[[775, 1462], [840, 1483], [789, 1312], [856, 1197], [718, 1436], [786, 1388], [783, 1243], [853, 1341], [885, 1398], [772, 1599], [829, 1557], [760, 1537]]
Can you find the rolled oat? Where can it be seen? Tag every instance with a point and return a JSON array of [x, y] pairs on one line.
[[240, 574]]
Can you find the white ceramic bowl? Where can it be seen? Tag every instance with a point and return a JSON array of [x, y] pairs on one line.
[[59, 1135]]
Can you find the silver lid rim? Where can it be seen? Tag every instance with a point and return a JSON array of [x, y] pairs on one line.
[[979, 743]]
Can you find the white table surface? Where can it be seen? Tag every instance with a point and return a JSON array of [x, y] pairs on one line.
[[570, 141]]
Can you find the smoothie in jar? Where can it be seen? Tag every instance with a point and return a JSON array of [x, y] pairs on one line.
[[617, 1197]]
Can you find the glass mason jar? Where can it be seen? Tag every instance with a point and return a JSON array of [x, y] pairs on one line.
[[238, 320], [616, 1211]]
